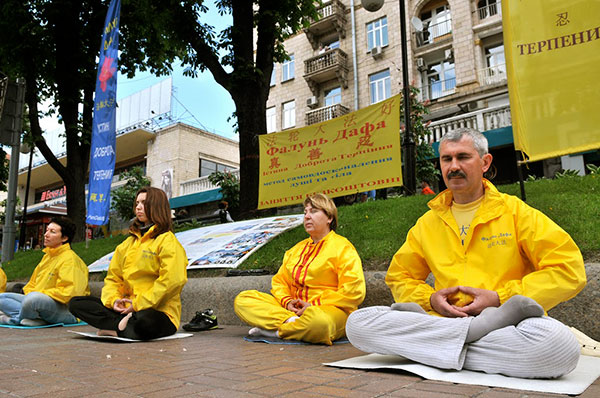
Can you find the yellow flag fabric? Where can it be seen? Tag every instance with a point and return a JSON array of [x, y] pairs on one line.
[[353, 153], [552, 50]]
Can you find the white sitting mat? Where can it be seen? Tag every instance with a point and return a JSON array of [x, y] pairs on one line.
[[94, 336], [586, 372]]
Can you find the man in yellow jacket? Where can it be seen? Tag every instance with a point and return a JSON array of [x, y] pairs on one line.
[[498, 266], [60, 276]]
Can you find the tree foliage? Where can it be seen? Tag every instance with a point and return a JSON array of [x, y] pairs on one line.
[[425, 168], [240, 58], [123, 198], [3, 170], [54, 45], [230, 187]]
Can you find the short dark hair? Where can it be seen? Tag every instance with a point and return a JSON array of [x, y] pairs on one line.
[[67, 227]]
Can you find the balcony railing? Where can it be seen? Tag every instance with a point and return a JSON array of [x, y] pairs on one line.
[[201, 184], [332, 16], [488, 11], [433, 33], [438, 89], [328, 59], [482, 120], [492, 75], [325, 113], [329, 65]]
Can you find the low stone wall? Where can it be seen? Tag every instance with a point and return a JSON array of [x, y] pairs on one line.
[[582, 312]]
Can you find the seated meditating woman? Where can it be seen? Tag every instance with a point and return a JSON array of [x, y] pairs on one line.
[[60, 276], [318, 285], [141, 293]]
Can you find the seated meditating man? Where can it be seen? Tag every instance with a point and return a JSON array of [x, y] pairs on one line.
[[318, 285], [60, 276], [498, 266]]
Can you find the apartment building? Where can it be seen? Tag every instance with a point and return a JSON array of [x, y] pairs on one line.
[[351, 58]]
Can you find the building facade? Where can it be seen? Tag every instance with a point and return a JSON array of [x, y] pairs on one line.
[[177, 158], [351, 58]]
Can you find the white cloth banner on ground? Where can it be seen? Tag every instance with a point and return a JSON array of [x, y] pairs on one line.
[[587, 371], [94, 336], [223, 245]]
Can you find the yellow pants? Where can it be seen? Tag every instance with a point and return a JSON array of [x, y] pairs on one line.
[[318, 324]]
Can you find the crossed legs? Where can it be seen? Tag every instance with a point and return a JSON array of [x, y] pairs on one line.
[[513, 341]]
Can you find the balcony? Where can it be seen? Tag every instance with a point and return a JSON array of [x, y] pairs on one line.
[[488, 12], [438, 89], [331, 17], [481, 120], [325, 113], [200, 184], [332, 64], [434, 33], [493, 75]]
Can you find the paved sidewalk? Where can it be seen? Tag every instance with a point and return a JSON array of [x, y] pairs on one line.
[[218, 363]]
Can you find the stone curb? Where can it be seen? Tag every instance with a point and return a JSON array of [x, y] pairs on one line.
[[581, 312]]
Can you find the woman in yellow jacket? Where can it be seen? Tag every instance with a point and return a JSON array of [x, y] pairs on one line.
[[60, 276], [141, 293], [2, 281], [318, 285]]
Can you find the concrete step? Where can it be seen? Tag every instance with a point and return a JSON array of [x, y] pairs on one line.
[[581, 312]]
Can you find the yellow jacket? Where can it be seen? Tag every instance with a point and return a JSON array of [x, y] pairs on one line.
[[328, 273], [511, 248], [2, 281], [61, 275], [149, 271]]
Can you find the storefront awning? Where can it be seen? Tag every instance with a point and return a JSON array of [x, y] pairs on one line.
[[196, 198]]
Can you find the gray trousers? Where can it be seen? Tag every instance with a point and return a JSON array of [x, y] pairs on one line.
[[539, 347]]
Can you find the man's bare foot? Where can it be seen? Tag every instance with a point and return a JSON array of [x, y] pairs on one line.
[[123, 323], [103, 332]]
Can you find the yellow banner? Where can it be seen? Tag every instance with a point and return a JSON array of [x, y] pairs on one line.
[[552, 50], [353, 153]]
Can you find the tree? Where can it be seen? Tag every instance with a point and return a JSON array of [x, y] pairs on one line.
[[425, 169], [230, 187], [54, 45], [123, 198], [249, 47]]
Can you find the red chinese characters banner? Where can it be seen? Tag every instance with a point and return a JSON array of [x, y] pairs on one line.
[[353, 153]]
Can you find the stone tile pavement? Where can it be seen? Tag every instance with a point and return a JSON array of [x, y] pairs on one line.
[[218, 363]]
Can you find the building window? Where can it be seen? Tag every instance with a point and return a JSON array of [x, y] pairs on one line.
[[440, 80], [271, 120], [380, 86], [377, 33], [208, 167], [287, 69], [494, 55], [436, 22], [333, 96], [488, 8], [273, 77], [289, 114], [495, 71]]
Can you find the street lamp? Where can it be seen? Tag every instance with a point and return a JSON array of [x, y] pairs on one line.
[[408, 141]]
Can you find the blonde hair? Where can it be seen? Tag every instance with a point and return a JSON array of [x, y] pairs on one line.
[[323, 202]]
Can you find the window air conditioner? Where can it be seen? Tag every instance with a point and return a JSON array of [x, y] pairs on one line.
[[312, 102], [420, 63], [376, 52]]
